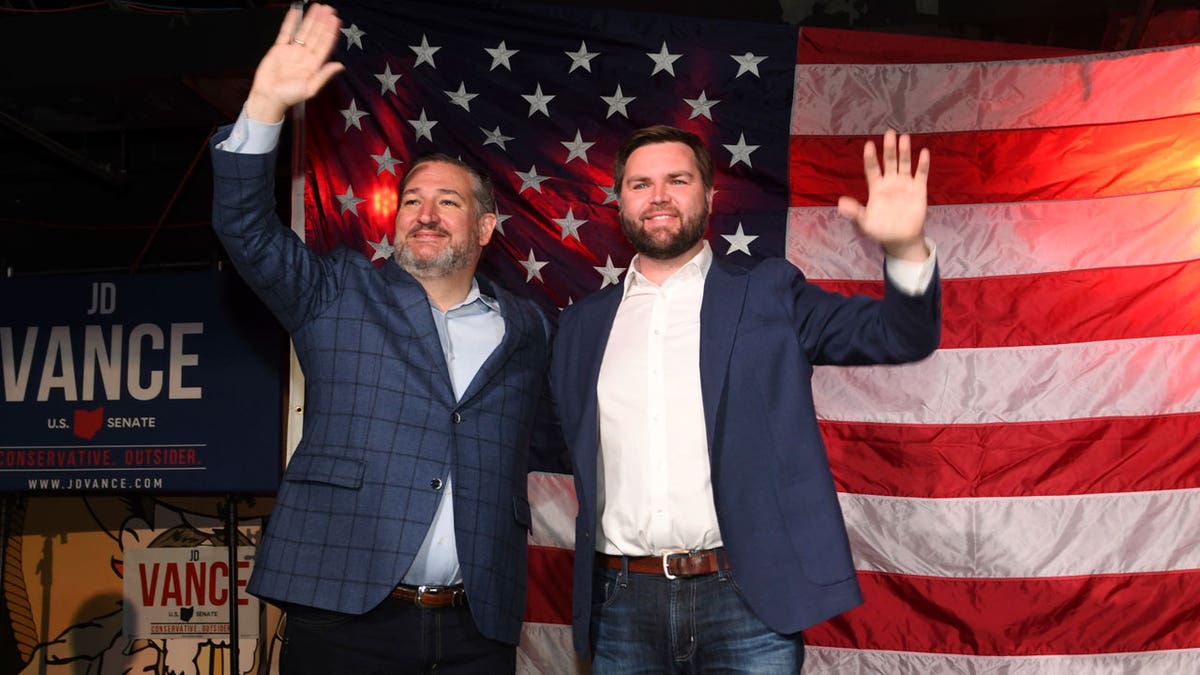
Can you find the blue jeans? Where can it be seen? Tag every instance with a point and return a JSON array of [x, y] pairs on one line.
[[646, 623], [395, 637]]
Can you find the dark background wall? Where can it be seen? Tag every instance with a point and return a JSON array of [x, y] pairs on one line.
[[105, 107]]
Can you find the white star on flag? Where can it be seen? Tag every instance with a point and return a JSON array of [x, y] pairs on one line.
[[570, 225], [701, 106], [387, 80], [612, 275], [500, 218], [739, 241], [461, 98], [740, 151], [386, 162], [500, 54], [582, 58], [747, 63], [617, 103], [353, 115], [383, 250], [610, 195], [348, 201], [663, 60], [353, 36], [533, 268], [495, 137], [531, 179], [424, 52], [537, 101], [423, 126], [578, 148]]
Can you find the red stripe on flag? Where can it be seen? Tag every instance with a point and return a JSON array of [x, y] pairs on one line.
[[1020, 617], [1063, 307], [830, 45], [1020, 165], [550, 593], [1094, 456]]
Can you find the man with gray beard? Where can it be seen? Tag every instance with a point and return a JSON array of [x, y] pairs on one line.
[[398, 539]]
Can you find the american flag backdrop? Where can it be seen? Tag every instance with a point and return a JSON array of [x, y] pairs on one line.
[[1027, 500]]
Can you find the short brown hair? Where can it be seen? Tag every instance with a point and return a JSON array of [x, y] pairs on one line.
[[481, 186], [661, 133]]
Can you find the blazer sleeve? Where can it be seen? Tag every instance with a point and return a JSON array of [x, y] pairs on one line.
[[290, 278], [835, 329]]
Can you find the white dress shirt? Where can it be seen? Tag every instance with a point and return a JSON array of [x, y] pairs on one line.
[[654, 482]]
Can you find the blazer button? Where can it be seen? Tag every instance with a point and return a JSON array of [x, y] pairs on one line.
[[436, 483], [456, 418]]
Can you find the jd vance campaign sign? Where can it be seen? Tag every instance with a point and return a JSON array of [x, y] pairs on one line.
[[144, 383]]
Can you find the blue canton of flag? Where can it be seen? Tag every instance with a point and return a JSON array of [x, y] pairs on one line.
[[539, 98]]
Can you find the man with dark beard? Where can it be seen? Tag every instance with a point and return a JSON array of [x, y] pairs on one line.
[[709, 533], [398, 539]]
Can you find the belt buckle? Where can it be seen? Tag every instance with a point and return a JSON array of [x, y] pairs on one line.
[[421, 591], [667, 554]]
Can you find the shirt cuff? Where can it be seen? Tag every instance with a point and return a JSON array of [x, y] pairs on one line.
[[912, 278], [251, 137]]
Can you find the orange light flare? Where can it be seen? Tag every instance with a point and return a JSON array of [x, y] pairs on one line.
[[384, 203]]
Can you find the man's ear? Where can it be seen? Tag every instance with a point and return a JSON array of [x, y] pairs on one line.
[[487, 225]]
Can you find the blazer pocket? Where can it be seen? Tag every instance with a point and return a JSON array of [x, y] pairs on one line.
[[521, 512], [325, 469]]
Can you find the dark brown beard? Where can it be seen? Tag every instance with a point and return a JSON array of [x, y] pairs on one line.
[[682, 241]]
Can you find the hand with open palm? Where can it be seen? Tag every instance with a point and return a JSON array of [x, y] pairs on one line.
[[894, 214], [297, 65]]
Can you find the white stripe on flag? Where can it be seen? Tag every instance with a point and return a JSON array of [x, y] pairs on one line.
[[1116, 378], [979, 240], [858, 99], [546, 649], [838, 661], [552, 496], [1025, 537]]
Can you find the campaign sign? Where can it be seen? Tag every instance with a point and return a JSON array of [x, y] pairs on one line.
[[160, 383], [186, 593]]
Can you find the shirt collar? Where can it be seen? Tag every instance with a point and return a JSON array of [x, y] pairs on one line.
[[474, 295], [699, 264]]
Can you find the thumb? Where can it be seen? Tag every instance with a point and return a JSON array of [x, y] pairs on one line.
[[849, 207]]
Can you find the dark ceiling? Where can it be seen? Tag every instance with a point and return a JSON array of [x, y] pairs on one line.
[[106, 107]]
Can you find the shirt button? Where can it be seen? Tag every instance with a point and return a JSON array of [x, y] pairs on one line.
[[456, 418], [436, 483]]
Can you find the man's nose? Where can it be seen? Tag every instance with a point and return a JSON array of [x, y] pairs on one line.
[[428, 212]]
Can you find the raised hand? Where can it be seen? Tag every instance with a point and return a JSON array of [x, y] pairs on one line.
[[894, 214], [297, 65]]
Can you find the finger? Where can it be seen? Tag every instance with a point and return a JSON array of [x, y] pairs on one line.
[[889, 152], [870, 163], [323, 76], [316, 21], [324, 35], [923, 166], [290, 21], [849, 207], [905, 166]]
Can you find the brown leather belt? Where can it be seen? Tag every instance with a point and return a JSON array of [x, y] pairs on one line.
[[671, 564], [431, 597]]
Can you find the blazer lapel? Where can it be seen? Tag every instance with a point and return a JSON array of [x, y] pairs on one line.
[[591, 340], [720, 313], [415, 308], [516, 323]]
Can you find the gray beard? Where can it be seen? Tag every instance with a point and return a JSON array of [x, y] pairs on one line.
[[449, 261]]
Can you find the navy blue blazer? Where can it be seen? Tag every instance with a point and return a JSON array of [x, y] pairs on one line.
[[761, 333], [382, 427]]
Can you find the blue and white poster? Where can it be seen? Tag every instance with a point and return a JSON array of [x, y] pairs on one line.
[[164, 383]]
